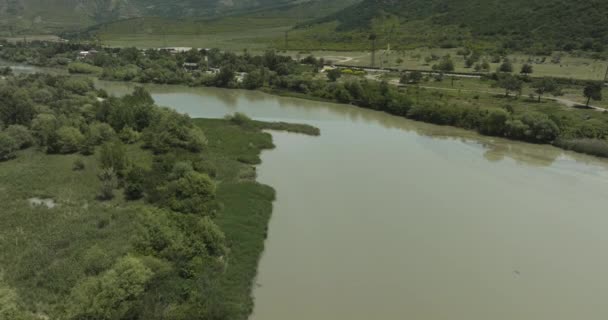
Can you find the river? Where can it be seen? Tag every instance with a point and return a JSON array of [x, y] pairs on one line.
[[385, 218]]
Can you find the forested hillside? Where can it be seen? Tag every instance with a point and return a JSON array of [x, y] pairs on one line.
[[55, 15], [518, 24]]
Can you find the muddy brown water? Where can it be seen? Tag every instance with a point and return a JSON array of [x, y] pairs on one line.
[[385, 218]]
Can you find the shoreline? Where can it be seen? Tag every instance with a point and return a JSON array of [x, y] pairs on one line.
[[588, 146]]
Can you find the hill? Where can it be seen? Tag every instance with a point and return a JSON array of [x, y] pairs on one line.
[[252, 28], [30, 16], [517, 24]]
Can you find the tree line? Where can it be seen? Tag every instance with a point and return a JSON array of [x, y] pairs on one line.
[[277, 73]]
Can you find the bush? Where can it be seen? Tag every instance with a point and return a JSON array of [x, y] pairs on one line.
[[21, 134], [172, 130], [191, 193], [78, 165], [533, 127], [494, 123], [114, 155], [134, 183], [67, 140], [8, 146], [112, 294], [594, 147], [129, 136], [83, 68], [109, 182], [239, 118], [100, 132]]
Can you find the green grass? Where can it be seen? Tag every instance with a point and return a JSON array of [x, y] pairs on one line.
[[575, 67], [247, 204], [42, 250]]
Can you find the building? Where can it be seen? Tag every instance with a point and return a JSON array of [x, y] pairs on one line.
[[86, 54], [190, 66], [213, 71]]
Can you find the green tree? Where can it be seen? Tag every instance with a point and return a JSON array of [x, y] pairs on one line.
[[68, 140], [527, 69], [334, 74], [44, 127], [114, 155], [173, 130], [21, 134], [134, 183], [253, 80], [510, 83], [593, 90], [100, 132], [9, 303], [189, 193], [506, 66], [109, 182], [225, 78], [111, 295], [445, 64], [16, 106], [128, 135], [494, 122], [545, 85], [415, 76], [8, 146]]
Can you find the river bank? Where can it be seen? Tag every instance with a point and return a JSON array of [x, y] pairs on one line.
[[512, 117], [109, 211], [381, 215]]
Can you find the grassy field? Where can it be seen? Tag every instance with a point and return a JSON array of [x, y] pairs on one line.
[[263, 34], [44, 250], [227, 33], [571, 94], [569, 66]]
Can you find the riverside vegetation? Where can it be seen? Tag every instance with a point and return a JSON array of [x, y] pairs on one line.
[[509, 116], [114, 208]]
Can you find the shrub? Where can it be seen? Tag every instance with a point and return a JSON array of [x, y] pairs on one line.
[[129, 136], [239, 118], [109, 182], [21, 134], [494, 122], [67, 140], [114, 155], [134, 183], [533, 127], [172, 130], [83, 68], [112, 294], [78, 165], [594, 147], [191, 193], [8, 146], [100, 132]]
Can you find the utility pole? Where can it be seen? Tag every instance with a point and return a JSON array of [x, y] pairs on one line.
[[373, 37], [286, 40]]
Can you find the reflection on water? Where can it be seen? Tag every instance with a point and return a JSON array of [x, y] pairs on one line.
[[19, 68], [214, 102], [385, 218]]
